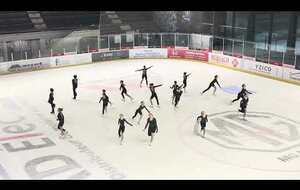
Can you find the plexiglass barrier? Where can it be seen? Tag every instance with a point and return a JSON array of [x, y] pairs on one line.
[[30, 49]]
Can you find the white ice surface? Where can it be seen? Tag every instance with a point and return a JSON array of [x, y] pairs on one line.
[[176, 153]]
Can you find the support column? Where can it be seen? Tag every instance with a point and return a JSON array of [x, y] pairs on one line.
[[292, 31], [5, 56], [218, 19], [251, 27], [270, 29]]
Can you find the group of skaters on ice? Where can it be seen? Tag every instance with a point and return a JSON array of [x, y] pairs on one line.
[[151, 121]]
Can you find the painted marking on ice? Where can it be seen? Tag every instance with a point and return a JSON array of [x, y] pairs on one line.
[[20, 136]]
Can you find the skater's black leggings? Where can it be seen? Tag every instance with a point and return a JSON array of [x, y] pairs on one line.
[[184, 84], [74, 92], [137, 112], [52, 106], [176, 101], [104, 107], [144, 77], [121, 130], [124, 92], [238, 97], [154, 95], [60, 126], [209, 88]]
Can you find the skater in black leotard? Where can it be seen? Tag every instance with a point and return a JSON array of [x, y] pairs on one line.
[[124, 91], [105, 100], [174, 87], [51, 100], [242, 93], [121, 123], [74, 85], [202, 120], [139, 111], [61, 121], [178, 94], [153, 93], [243, 105], [144, 74], [185, 80], [212, 84], [153, 128]]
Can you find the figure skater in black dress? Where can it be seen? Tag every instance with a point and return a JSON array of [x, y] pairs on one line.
[[153, 93], [61, 121], [185, 80], [51, 100], [124, 91], [202, 120], [243, 105], [74, 85], [153, 128], [212, 84], [242, 93], [144, 74], [178, 94], [105, 100], [121, 123], [139, 111], [174, 87]]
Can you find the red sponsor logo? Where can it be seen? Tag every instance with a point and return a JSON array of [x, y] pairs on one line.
[[188, 54], [235, 62]]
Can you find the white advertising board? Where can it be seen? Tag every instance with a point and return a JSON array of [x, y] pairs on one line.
[[291, 74], [259, 67], [24, 65], [225, 60], [71, 59], [148, 53]]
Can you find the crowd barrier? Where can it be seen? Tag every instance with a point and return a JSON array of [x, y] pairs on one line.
[[241, 63], [250, 65]]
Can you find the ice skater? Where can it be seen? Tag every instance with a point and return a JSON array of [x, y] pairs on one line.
[[121, 123], [144, 74], [178, 94], [124, 91], [105, 100], [242, 93], [212, 84], [51, 100], [61, 121], [243, 106], [185, 80], [153, 128], [139, 111], [153, 93], [202, 120], [174, 87], [74, 85]]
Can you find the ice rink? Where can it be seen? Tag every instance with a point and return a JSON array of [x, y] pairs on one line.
[[266, 146]]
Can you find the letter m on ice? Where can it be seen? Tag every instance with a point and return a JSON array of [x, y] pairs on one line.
[[264, 132]]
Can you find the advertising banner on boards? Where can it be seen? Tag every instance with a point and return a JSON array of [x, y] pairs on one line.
[[71, 59], [27, 65], [113, 55], [152, 53], [201, 55]]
